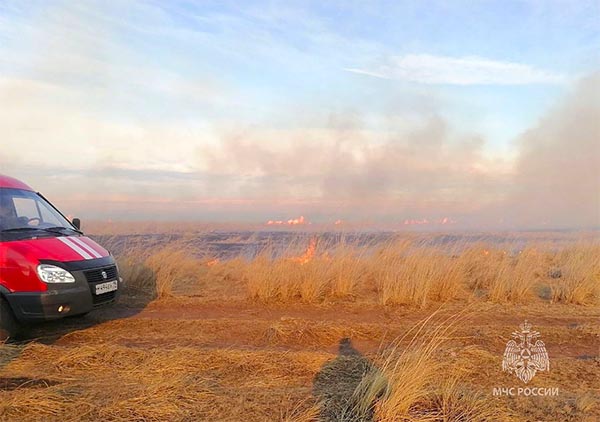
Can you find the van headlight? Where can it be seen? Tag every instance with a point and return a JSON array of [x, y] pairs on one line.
[[53, 274]]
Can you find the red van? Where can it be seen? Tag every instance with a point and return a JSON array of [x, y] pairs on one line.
[[48, 268]]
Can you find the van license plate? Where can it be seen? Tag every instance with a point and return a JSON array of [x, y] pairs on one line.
[[106, 287]]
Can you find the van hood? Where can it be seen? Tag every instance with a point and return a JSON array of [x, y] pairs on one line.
[[60, 248]]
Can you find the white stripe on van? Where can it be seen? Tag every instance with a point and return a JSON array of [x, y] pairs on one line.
[[76, 248], [93, 245], [85, 246]]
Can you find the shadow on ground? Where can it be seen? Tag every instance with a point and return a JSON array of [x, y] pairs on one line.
[[130, 303], [334, 386], [48, 333]]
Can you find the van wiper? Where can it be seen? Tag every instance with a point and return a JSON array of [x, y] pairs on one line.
[[59, 229], [20, 229], [55, 230]]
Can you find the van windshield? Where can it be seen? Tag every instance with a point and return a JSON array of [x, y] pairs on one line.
[[22, 210]]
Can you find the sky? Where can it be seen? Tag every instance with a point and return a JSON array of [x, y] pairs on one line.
[[471, 114]]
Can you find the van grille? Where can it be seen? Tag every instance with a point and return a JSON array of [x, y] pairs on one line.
[[98, 300], [95, 275]]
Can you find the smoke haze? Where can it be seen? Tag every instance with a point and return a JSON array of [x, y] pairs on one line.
[[557, 174], [247, 113]]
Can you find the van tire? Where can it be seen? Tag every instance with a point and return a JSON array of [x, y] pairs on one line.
[[8, 324]]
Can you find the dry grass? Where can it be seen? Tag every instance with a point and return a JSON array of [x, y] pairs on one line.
[[143, 385], [414, 382], [157, 273], [345, 272], [415, 277], [284, 279], [136, 370], [515, 277], [247, 339], [579, 271], [403, 274], [171, 265], [397, 273], [139, 278]]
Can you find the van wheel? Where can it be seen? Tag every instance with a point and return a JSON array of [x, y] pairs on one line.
[[8, 324]]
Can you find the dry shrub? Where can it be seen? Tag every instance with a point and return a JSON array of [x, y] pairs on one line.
[[222, 278], [579, 281], [311, 281], [282, 280], [404, 373]]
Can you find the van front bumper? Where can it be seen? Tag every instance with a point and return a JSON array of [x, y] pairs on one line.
[[54, 304], [62, 300]]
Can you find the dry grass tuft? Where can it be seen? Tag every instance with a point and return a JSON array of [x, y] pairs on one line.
[[283, 280], [515, 276], [139, 278], [346, 271], [413, 383], [455, 401], [417, 277], [305, 411], [579, 281], [157, 273], [171, 266]]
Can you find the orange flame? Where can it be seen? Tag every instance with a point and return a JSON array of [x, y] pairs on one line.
[[308, 254], [291, 222], [212, 262], [417, 222], [296, 221]]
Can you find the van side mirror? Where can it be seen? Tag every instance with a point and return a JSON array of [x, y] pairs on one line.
[[77, 223]]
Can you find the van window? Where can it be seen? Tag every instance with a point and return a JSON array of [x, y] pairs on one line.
[[47, 216], [28, 207], [25, 207]]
